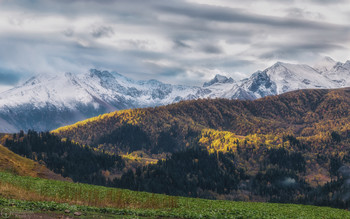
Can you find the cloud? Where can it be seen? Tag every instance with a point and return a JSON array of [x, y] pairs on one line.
[[289, 50], [233, 15], [102, 31], [301, 13], [328, 1], [68, 32], [8, 78], [176, 41], [214, 49], [180, 44]]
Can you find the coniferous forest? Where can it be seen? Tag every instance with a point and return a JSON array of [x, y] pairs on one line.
[[80, 163]]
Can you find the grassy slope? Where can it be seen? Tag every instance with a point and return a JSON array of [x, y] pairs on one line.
[[50, 195], [14, 163]]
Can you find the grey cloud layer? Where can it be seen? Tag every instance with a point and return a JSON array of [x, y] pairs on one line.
[[8, 78], [179, 41]]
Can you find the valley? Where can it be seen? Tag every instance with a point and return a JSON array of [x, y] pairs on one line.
[[289, 148], [174, 109]]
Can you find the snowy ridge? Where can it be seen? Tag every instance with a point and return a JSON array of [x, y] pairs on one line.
[[325, 64], [219, 79], [339, 74], [46, 102], [288, 77]]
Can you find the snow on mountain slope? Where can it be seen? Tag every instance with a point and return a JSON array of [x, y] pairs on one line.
[[219, 87], [325, 64], [219, 79], [283, 77], [288, 77], [257, 86], [46, 102], [339, 74], [47, 90], [111, 86], [68, 91]]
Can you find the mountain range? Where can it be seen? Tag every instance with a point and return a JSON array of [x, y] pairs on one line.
[[68, 98], [286, 148]]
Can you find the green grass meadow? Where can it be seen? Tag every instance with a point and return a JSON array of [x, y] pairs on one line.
[[91, 200]]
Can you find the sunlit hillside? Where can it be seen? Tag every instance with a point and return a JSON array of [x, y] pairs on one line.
[[13, 163]]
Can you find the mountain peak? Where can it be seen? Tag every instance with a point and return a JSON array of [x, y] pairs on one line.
[[279, 63], [221, 79], [325, 64], [328, 59], [347, 63], [259, 85], [100, 74], [288, 65]]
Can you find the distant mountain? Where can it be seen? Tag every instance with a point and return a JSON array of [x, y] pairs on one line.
[[288, 77], [325, 64], [68, 98], [340, 74], [46, 102], [219, 79]]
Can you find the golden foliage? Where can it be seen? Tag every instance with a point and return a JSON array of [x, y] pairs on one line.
[[132, 117], [14, 163], [225, 141]]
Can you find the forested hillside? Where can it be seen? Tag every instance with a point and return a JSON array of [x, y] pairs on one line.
[[289, 148], [13, 163], [169, 128], [69, 159]]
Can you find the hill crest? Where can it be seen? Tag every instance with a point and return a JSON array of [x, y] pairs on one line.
[[293, 112], [11, 162]]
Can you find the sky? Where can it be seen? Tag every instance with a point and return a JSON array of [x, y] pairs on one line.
[[178, 42]]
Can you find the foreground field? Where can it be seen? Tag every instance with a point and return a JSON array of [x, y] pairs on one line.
[[22, 193]]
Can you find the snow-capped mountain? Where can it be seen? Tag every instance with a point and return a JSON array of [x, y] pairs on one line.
[[283, 77], [325, 64], [339, 74], [46, 102], [219, 79], [289, 77], [258, 85]]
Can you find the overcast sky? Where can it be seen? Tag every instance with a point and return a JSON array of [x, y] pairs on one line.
[[183, 42]]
